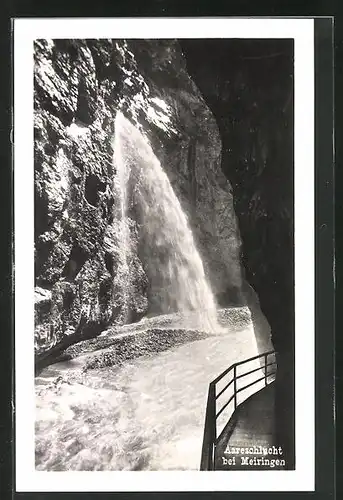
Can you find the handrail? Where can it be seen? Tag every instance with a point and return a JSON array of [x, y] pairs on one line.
[[211, 438], [225, 372]]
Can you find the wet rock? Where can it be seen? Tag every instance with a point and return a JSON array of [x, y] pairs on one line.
[[150, 342], [79, 87]]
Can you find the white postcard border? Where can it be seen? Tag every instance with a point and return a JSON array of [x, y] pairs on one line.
[[27, 30]]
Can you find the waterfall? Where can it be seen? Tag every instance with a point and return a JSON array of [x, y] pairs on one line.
[[123, 276], [167, 247]]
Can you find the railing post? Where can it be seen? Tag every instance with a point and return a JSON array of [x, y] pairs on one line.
[[234, 386], [210, 431], [214, 425], [265, 369]]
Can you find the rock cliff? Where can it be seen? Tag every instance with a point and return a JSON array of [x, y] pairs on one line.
[[79, 87], [252, 101]]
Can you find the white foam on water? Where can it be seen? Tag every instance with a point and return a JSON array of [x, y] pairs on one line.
[[147, 414]]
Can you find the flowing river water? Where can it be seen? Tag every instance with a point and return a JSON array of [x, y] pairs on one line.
[[147, 414]]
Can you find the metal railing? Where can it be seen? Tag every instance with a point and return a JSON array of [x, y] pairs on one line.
[[211, 439]]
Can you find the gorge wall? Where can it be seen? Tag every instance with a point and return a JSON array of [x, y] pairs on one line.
[[252, 101], [79, 87]]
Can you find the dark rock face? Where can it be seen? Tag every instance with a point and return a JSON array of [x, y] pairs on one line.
[[79, 86], [252, 101]]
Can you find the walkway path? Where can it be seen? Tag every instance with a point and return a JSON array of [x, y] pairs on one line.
[[251, 428]]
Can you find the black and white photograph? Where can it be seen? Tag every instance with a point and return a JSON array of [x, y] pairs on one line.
[[163, 223]]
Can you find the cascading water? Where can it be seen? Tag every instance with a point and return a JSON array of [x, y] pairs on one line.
[[176, 273], [123, 231]]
